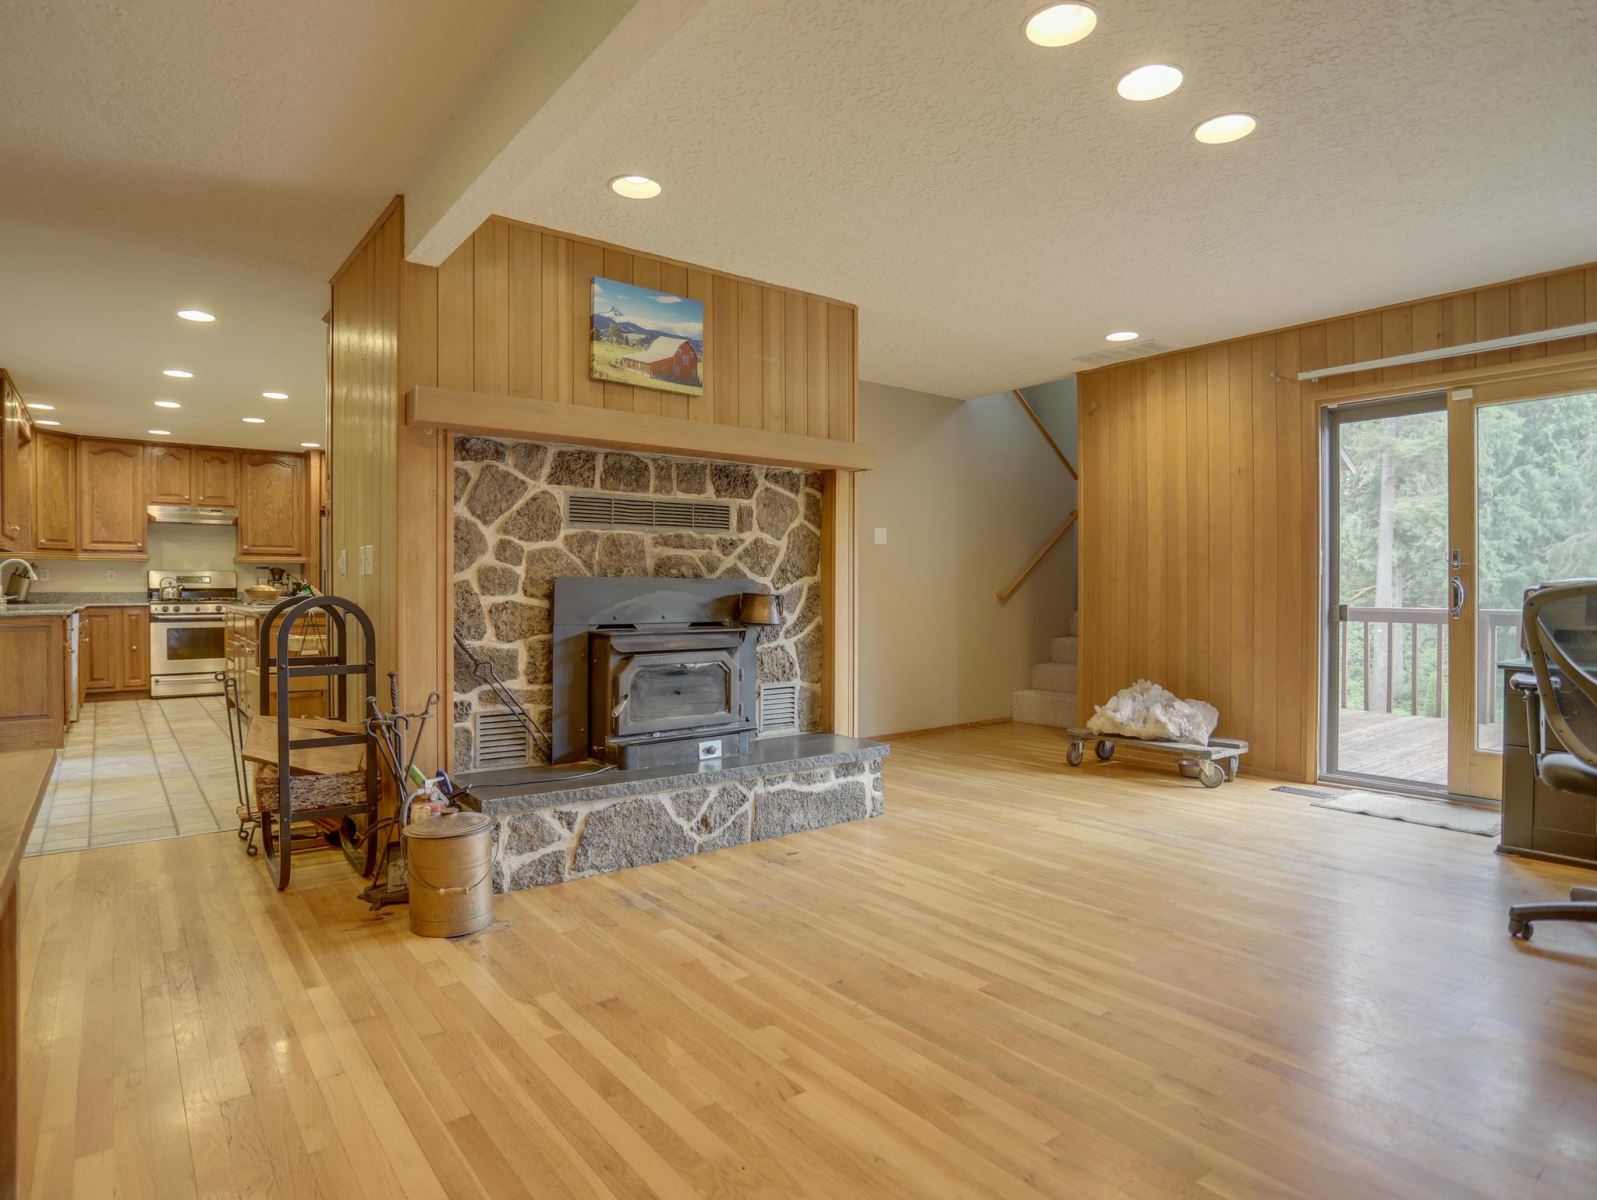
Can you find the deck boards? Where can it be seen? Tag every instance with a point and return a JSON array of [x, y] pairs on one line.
[[1024, 981]]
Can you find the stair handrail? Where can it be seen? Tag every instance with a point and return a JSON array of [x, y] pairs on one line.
[[1005, 593], [1043, 429]]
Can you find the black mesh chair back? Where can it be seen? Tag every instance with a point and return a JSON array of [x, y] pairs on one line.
[[1560, 623]]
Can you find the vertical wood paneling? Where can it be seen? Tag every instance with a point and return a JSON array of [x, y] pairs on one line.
[[457, 346], [513, 317], [490, 257], [1527, 313], [1200, 504], [525, 367]]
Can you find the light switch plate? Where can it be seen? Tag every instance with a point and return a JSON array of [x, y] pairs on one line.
[[110, 576], [881, 535], [343, 564]]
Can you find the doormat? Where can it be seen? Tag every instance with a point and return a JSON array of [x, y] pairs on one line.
[[1311, 793], [1443, 814]]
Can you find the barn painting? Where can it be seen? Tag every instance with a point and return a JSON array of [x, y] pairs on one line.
[[646, 337]]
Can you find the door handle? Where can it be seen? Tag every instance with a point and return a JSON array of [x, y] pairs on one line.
[[1455, 586]]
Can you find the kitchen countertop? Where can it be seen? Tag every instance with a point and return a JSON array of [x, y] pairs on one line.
[[38, 610], [63, 604], [27, 774]]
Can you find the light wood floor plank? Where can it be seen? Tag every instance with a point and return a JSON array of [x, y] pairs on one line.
[[1024, 981]]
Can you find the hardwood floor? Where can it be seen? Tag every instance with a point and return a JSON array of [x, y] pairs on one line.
[[1024, 981]]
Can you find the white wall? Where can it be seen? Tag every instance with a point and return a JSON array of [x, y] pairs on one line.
[[967, 492]]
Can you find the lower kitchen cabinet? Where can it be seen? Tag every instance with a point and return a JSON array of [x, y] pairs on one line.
[[33, 702], [117, 655]]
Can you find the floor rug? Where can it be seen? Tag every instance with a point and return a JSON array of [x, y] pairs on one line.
[[1464, 818]]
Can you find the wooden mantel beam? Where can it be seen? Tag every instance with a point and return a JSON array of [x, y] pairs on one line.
[[582, 425]]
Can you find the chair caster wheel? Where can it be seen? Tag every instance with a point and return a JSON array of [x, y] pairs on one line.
[[1520, 929]]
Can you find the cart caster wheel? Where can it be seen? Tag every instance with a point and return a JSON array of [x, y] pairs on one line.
[[1520, 929], [1210, 775], [252, 851], [243, 834], [1188, 767], [1105, 750], [1074, 755]]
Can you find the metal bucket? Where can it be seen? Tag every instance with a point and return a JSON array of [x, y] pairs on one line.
[[450, 874]]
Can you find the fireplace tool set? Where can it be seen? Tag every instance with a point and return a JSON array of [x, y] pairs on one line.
[[485, 672], [389, 731]]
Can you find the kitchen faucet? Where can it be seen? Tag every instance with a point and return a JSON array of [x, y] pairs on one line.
[[24, 564]]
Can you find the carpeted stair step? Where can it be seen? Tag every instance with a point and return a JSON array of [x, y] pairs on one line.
[[1054, 676], [1034, 706]]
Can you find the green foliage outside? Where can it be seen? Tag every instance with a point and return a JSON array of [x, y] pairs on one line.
[[1536, 515]]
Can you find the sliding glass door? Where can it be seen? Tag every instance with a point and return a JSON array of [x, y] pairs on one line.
[[1440, 511], [1386, 631]]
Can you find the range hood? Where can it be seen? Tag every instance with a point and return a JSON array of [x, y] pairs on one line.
[[191, 514]]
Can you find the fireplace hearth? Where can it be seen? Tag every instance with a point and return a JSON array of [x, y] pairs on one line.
[[652, 673]]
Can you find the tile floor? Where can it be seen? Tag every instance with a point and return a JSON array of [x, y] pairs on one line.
[[137, 770]]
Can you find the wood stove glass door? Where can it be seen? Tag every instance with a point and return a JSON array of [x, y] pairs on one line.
[[674, 691]]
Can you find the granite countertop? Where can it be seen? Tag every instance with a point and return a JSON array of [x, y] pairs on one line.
[[14, 609], [513, 789], [61, 604]]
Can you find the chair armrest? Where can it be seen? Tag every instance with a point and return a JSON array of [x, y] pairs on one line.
[[1524, 682]]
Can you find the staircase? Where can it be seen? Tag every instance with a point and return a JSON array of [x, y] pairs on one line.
[[1051, 698]]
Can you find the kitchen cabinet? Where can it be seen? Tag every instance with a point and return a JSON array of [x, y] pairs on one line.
[[271, 507], [111, 506], [215, 476], [13, 479], [33, 708], [55, 491], [117, 657], [170, 470]]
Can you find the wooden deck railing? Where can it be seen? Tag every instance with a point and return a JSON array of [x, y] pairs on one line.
[[1401, 630]]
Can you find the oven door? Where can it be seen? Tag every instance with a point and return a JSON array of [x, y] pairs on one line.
[[187, 651]]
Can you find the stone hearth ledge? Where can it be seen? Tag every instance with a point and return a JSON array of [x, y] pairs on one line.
[[552, 832]]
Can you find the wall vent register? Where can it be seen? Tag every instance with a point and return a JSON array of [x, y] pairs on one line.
[[605, 510], [1125, 352], [501, 740], [778, 708]]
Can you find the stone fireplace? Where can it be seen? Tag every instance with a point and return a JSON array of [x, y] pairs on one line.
[[513, 538]]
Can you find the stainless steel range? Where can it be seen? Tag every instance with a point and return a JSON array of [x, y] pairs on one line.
[[188, 630]]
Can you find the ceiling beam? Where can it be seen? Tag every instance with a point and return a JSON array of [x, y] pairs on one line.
[[562, 64]]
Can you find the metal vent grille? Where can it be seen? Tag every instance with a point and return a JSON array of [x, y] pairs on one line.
[[1142, 348], [778, 708], [606, 510], [501, 740]]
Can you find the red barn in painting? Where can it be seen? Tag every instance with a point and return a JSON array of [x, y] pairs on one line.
[[667, 358]]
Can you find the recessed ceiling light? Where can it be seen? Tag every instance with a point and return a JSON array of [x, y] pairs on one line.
[[1122, 335], [174, 373], [1061, 24], [167, 404], [160, 432], [635, 187], [1229, 127], [1149, 83], [195, 314], [275, 395], [310, 445], [254, 420], [39, 407], [45, 421]]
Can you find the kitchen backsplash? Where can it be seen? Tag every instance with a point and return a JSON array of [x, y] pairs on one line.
[[172, 548]]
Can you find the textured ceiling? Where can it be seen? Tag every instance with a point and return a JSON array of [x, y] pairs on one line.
[[88, 324], [258, 132], [995, 208]]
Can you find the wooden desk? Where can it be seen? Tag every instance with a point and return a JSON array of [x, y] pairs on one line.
[[25, 775]]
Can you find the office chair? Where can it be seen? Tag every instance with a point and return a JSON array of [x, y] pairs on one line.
[[1560, 632]]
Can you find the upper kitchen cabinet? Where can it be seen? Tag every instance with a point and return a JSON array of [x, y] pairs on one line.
[[111, 504], [215, 477], [171, 474], [14, 534], [272, 525], [55, 492]]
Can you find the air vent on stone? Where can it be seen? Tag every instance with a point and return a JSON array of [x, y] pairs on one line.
[[778, 708], [501, 740], [1144, 348], [605, 510]]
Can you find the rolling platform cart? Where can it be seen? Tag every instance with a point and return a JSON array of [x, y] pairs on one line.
[[1210, 765]]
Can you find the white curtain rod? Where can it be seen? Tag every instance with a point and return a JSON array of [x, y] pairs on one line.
[[1502, 343]]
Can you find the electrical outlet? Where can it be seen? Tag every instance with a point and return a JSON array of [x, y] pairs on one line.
[[881, 536], [343, 564], [110, 576], [43, 573]]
